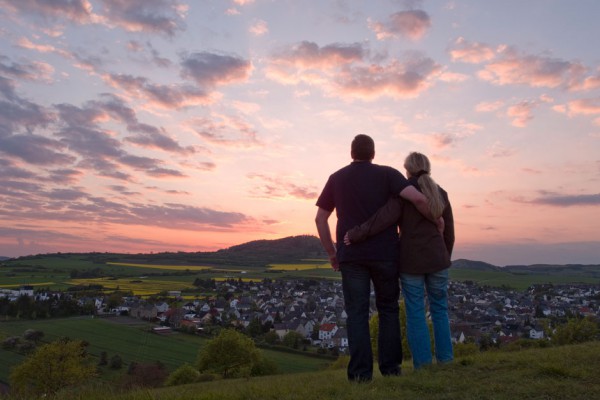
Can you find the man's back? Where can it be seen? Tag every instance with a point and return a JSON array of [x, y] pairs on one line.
[[356, 192]]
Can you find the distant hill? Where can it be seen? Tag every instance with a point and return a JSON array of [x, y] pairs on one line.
[[479, 265], [257, 253], [4, 258]]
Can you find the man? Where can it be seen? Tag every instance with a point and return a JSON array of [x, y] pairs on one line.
[[356, 192]]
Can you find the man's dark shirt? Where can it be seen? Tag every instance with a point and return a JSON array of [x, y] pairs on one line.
[[356, 192]]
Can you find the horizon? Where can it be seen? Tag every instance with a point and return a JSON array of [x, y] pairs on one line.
[[174, 125]]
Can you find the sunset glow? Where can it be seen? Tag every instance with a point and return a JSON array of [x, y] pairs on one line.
[[178, 125]]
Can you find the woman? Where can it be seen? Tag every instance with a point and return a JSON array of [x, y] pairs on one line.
[[424, 260]]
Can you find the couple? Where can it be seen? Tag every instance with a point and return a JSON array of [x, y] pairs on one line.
[[385, 199]]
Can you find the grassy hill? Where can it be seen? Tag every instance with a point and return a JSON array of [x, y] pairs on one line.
[[568, 372]]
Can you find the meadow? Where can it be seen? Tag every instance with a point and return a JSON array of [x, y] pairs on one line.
[[556, 373], [60, 272], [132, 340]]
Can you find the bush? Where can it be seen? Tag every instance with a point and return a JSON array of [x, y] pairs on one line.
[[465, 349], [576, 331], [11, 342], [183, 375], [146, 375], [116, 362]]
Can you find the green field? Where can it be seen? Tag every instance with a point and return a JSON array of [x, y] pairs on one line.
[[520, 281], [54, 272], [132, 340]]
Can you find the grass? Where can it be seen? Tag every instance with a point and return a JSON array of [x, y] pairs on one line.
[[517, 281], [135, 343], [568, 372]]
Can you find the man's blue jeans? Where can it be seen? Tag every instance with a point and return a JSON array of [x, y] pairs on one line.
[[356, 281], [417, 332]]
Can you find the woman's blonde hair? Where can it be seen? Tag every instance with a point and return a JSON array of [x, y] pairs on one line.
[[418, 165]]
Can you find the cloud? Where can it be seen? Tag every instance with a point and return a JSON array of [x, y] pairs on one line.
[[209, 70], [513, 68], [224, 130], [343, 70], [34, 71], [308, 62], [589, 106], [77, 11], [396, 79], [560, 200], [489, 106], [412, 24], [156, 16], [278, 187], [99, 150], [497, 150], [259, 28], [470, 52], [164, 17], [161, 96], [35, 149], [521, 113]]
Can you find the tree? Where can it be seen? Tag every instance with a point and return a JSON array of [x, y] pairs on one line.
[[146, 375], [52, 367], [293, 339], [116, 362], [576, 330], [33, 335], [103, 358], [228, 354]]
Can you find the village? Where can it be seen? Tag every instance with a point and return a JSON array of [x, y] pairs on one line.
[[315, 309]]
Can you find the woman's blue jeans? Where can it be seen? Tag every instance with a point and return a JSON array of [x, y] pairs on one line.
[[356, 284], [417, 332]]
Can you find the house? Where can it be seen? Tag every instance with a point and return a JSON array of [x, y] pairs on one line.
[[143, 311], [327, 330], [536, 333], [340, 338]]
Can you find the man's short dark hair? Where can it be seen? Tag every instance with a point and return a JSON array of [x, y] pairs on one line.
[[363, 148]]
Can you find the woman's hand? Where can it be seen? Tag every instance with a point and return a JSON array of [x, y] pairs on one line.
[[347, 241]]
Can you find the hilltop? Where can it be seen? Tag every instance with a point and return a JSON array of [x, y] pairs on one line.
[[567, 372], [297, 249]]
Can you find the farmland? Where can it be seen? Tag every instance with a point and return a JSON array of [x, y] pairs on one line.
[[133, 341]]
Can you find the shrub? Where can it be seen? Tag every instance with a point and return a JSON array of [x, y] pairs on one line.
[[183, 375], [576, 331], [465, 349], [116, 362]]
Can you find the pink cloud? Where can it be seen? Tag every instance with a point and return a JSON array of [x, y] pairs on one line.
[[78, 11], [33, 71], [281, 187], [162, 96], [209, 70], [470, 52], [156, 16], [224, 130], [489, 106], [397, 79], [585, 106], [412, 24], [513, 68], [259, 28], [497, 150], [521, 113]]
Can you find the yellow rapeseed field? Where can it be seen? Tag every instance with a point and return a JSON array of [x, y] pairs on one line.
[[139, 287], [297, 267], [168, 267]]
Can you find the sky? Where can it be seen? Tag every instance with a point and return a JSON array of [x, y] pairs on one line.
[[168, 125]]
